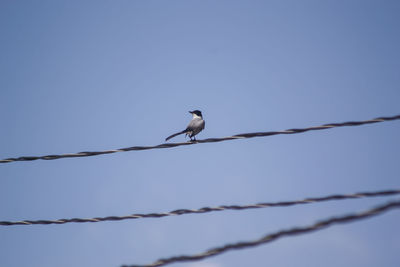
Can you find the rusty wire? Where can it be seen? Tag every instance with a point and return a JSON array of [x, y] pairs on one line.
[[208, 140], [274, 236], [206, 209]]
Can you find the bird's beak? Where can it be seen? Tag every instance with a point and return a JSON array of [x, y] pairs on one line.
[[191, 112]]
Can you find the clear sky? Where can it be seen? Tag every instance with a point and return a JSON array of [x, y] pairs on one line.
[[96, 75]]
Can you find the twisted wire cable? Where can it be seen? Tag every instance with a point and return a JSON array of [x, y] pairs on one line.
[[208, 140], [274, 236], [207, 209]]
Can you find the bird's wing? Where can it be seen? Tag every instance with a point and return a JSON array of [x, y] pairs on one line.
[[195, 124]]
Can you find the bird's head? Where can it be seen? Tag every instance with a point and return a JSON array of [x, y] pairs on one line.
[[196, 113]]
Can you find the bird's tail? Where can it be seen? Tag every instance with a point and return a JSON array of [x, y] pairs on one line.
[[176, 134]]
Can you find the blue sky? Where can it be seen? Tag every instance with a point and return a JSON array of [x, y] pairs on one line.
[[97, 75]]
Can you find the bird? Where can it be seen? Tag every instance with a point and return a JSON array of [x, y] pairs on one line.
[[196, 125]]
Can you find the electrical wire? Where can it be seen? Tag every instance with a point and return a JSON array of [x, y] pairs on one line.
[[208, 140], [207, 209], [275, 236]]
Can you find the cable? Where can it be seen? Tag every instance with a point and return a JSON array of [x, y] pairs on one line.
[[207, 209], [209, 140], [274, 236]]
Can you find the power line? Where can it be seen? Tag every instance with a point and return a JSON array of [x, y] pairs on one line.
[[208, 140], [274, 236], [207, 209]]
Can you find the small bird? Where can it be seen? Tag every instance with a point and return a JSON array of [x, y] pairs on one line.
[[195, 126]]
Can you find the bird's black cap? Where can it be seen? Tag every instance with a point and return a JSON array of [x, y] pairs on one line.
[[197, 112]]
